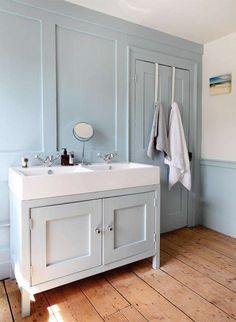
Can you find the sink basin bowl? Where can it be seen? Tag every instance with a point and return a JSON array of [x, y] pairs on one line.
[[116, 166], [44, 171], [41, 182]]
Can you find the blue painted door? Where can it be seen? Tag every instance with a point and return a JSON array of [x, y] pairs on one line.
[[174, 203]]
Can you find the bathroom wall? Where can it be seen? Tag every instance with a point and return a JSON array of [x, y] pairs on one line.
[[218, 167], [219, 112], [60, 64]]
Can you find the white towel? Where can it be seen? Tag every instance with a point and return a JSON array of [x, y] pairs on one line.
[[179, 166], [158, 137]]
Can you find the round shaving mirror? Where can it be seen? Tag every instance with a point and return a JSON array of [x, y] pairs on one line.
[[83, 132]]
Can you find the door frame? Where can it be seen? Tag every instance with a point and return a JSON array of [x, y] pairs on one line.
[[194, 137]]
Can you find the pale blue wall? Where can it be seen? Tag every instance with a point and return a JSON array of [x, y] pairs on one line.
[[218, 193], [56, 71]]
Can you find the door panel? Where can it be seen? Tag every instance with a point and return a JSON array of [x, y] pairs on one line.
[[64, 240], [176, 205], [174, 202], [144, 99], [123, 220], [67, 229], [132, 221]]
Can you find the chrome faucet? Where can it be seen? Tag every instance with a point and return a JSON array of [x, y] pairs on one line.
[[48, 161], [108, 157]]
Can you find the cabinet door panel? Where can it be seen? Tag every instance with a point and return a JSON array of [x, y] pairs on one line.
[[132, 219], [63, 239], [72, 244], [122, 235]]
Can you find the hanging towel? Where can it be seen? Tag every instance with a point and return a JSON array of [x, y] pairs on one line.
[[179, 167], [158, 138]]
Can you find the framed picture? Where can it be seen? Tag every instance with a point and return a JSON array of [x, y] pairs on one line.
[[220, 84]]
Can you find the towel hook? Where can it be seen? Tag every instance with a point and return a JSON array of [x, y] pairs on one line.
[[173, 85], [156, 85]]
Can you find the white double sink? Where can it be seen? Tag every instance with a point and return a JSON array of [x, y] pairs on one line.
[[43, 182]]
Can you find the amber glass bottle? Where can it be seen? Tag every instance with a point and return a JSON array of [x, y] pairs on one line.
[[65, 157]]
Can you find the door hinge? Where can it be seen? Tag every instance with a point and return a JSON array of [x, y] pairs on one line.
[[135, 78], [31, 223], [31, 270], [154, 237]]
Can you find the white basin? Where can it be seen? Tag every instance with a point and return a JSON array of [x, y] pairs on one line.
[[45, 171], [41, 182], [116, 166]]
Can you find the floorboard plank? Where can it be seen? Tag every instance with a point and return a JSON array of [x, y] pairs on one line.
[[132, 314], [182, 297], [145, 299], [5, 313], [40, 311], [70, 304], [210, 255], [208, 233], [116, 317], [128, 314], [102, 295], [211, 235], [217, 245], [190, 258], [210, 290]]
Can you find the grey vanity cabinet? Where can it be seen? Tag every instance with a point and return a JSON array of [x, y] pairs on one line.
[[75, 237], [56, 241]]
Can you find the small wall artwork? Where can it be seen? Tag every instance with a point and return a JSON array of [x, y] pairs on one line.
[[220, 84]]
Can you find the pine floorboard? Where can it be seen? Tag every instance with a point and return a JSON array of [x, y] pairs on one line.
[[5, 312], [196, 282]]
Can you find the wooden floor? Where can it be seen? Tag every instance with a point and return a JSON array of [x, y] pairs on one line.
[[196, 282]]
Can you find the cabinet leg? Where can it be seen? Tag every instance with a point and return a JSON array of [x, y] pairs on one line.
[[25, 303], [156, 261]]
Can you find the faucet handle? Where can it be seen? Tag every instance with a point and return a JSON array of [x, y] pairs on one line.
[[38, 157], [52, 158], [108, 157], [113, 155]]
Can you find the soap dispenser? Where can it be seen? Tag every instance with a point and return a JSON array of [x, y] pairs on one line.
[[71, 158], [64, 157]]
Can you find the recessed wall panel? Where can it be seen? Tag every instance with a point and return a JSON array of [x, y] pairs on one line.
[[86, 88], [20, 84]]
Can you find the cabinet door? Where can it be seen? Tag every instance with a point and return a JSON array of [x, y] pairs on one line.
[[64, 239], [128, 226]]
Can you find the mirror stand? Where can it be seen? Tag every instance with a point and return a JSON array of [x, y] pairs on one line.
[[83, 162], [83, 132]]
